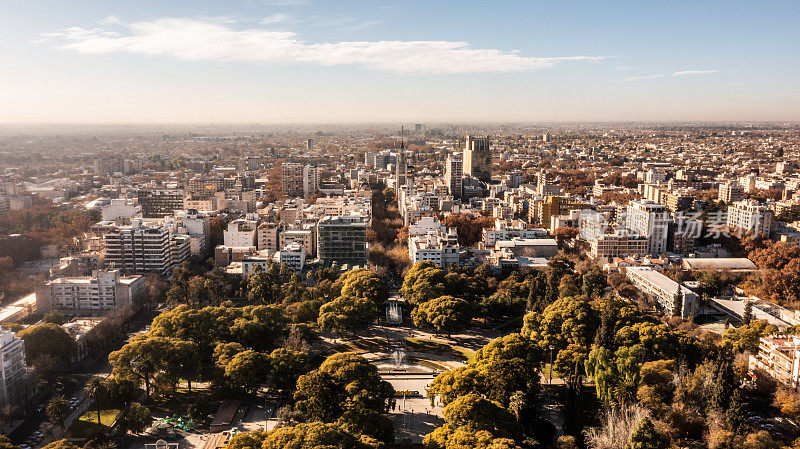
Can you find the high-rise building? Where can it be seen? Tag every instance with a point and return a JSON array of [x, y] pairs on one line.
[[138, 250], [310, 144], [102, 291], [478, 158], [453, 174], [546, 187], [401, 171], [160, 202], [650, 220], [342, 239], [12, 368], [731, 191], [240, 233], [299, 180], [750, 216]]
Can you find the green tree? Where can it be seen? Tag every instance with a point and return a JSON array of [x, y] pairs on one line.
[[248, 369], [344, 385], [444, 314], [423, 282], [594, 282], [5, 443], [347, 313], [747, 316], [95, 386], [48, 340], [472, 421], [141, 359], [644, 436], [735, 415], [287, 366], [315, 435], [57, 409], [364, 283], [136, 419]]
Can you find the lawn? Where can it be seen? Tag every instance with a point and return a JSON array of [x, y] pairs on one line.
[[436, 347], [107, 416]]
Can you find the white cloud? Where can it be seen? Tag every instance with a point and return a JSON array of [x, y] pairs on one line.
[[644, 77], [693, 72], [662, 75], [199, 40], [278, 17]]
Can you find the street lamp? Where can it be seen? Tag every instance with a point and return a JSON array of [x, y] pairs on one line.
[[550, 382]]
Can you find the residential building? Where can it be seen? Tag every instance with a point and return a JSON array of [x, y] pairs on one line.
[[267, 237], [102, 291], [160, 202], [140, 249], [293, 256], [779, 357], [439, 246], [508, 229], [750, 216], [120, 208], [240, 233], [610, 246], [342, 239], [453, 174], [730, 191], [12, 364], [304, 237], [477, 158], [650, 220]]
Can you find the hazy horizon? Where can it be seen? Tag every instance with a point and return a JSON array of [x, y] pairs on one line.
[[309, 62]]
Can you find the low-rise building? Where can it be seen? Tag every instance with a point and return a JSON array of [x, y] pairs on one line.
[[672, 298], [100, 292], [779, 357]]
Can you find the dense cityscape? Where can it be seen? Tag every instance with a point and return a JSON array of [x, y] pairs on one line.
[[503, 286], [383, 224]]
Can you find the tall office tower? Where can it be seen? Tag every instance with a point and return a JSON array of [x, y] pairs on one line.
[[310, 144], [160, 202], [730, 192], [342, 239], [292, 179], [453, 174], [649, 220], [478, 158], [401, 176], [546, 137]]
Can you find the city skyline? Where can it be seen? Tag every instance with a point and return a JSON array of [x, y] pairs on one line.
[[310, 61]]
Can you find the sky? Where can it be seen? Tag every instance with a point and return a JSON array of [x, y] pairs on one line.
[[306, 61]]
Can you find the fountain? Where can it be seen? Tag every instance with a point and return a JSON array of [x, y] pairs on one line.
[[394, 314], [399, 358]]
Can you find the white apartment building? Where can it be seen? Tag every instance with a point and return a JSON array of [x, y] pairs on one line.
[[102, 291], [440, 247], [664, 290], [240, 233], [779, 357], [509, 229], [293, 256], [120, 208], [750, 216], [650, 220], [141, 249], [12, 364]]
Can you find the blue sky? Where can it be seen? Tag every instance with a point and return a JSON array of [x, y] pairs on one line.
[[350, 61]]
